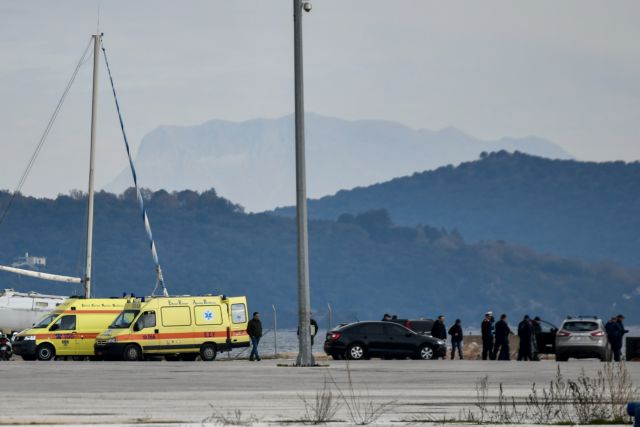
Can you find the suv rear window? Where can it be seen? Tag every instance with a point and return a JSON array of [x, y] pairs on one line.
[[580, 326], [421, 326]]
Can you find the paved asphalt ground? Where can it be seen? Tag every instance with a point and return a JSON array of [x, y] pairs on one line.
[[188, 392]]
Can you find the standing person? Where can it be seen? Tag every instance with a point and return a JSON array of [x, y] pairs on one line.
[[501, 346], [456, 339], [617, 350], [313, 329], [487, 335], [536, 338], [525, 331], [439, 330], [254, 329], [612, 330]]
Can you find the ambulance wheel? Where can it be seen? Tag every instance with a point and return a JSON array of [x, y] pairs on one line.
[[132, 353], [208, 352], [45, 352]]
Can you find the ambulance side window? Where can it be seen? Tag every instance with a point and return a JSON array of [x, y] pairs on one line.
[[65, 323], [147, 320], [238, 313]]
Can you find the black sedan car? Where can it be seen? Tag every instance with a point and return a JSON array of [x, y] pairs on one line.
[[363, 340]]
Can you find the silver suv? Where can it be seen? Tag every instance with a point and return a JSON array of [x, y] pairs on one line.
[[582, 337]]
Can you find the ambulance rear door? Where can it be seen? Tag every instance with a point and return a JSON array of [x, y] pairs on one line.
[[239, 315]]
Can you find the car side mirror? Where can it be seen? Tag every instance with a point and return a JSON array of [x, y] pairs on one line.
[[54, 327], [136, 327]]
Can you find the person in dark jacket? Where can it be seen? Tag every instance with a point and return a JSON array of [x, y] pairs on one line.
[[611, 328], [313, 329], [254, 329], [439, 330], [456, 339], [619, 337], [525, 332], [536, 339], [487, 335], [501, 346]]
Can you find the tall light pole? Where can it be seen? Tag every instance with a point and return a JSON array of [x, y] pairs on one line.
[[305, 355]]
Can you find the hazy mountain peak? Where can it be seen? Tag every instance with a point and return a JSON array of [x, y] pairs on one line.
[[252, 162]]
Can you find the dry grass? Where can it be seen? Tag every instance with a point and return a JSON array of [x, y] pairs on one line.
[[361, 406], [596, 399], [323, 407], [228, 418]]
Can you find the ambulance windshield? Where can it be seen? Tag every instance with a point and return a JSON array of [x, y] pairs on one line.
[[45, 322], [125, 319]]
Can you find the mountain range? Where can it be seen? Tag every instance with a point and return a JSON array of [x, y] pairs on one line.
[[363, 264], [574, 209], [252, 162]]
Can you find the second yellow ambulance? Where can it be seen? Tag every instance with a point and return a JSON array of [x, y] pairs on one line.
[[176, 327], [69, 330]]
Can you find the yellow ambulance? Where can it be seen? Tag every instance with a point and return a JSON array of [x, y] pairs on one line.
[[69, 330], [176, 327]]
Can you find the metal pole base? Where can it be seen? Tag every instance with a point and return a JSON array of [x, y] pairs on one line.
[[304, 365]]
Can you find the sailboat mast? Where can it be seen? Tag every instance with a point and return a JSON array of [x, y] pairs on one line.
[[92, 155]]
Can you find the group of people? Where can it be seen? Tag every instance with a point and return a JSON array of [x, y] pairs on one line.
[[495, 338], [439, 330]]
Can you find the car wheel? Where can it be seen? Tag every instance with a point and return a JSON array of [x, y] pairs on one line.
[[208, 352], [132, 353], [356, 352], [425, 353], [45, 352]]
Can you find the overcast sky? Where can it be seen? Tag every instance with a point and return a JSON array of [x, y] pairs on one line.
[[567, 71]]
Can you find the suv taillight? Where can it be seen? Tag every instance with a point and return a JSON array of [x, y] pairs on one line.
[[334, 336], [563, 334], [597, 334]]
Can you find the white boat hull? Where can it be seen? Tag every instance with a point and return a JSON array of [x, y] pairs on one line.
[[20, 310]]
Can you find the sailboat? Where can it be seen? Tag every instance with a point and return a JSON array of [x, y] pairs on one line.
[[20, 310]]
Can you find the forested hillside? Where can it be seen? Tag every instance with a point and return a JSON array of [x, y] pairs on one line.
[[362, 264], [576, 209]]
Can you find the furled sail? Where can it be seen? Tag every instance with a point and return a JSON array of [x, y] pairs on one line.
[[40, 275]]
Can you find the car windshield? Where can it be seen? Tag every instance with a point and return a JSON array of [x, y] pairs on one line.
[[124, 320], [580, 326], [45, 321]]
